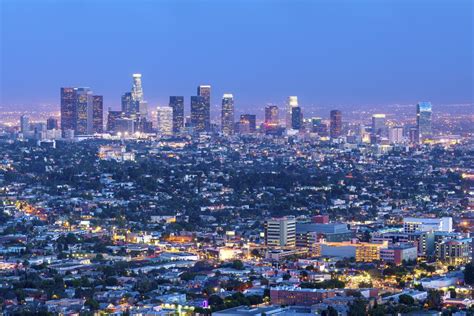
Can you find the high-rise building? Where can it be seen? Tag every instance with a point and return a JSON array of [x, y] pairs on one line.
[[319, 127], [271, 115], [227, 116], [280, 232], [112, 118], [164, 119], [83, 107], [296, 118], [423, 120], [52, 123], [395, 134], [379, 125], [201, 109], [205, 92], [335, 127], [68, 109], [24, 124], [200, 114], [129, 106], [137, 90], [177, 104], [291, 103], [125, 125], [248, 123], [413, 135], [98, 114]]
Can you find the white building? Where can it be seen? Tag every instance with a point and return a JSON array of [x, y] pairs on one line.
[[412, 224], [291, 103], [281, 232], [164, 119], [395, 135]]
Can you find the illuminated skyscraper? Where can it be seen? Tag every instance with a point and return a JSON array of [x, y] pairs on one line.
[[98, 114], [227, 116], [129, 106], [68, 109], [164, 119], [292, 102], [112, 118], [201, 109], [248, 123], [200, 114], [137, 90], [83, 107], [271, 115], [423, 120], [205, 92], [335, 127], [138, 104], [177, 104]]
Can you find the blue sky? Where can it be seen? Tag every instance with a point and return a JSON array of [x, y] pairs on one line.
[[332, 52]]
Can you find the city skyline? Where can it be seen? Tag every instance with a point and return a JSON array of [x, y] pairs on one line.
[[236, 158], [419, 59]]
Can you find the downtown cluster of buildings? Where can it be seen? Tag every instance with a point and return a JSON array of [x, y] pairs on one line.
[[82, 115]]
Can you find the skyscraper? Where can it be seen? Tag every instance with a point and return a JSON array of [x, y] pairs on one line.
[[395, 134], [378, 125], [200, 114], [138, 104], [177, 104], [205, 92], [423, 120], [164, 116], [319, 127], [137, 90], [291, 103], [248, 123], [271, 115], [335, 127], [112, 118], [24, 124], [98, 114], [83, 107], [201, 109], [68, 109], [52, 123], [296, 118], [129, 106], [227, 116]]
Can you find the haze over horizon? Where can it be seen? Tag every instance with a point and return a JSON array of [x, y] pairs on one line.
[[325, 52]]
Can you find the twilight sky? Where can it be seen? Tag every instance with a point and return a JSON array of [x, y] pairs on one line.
[[328, 52]]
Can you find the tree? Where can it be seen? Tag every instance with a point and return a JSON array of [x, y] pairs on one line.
[[434, 299], [469, 274], [331, 311], [237, 265], [358, 308], [406, 299], [215, 300], [92, 304]]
